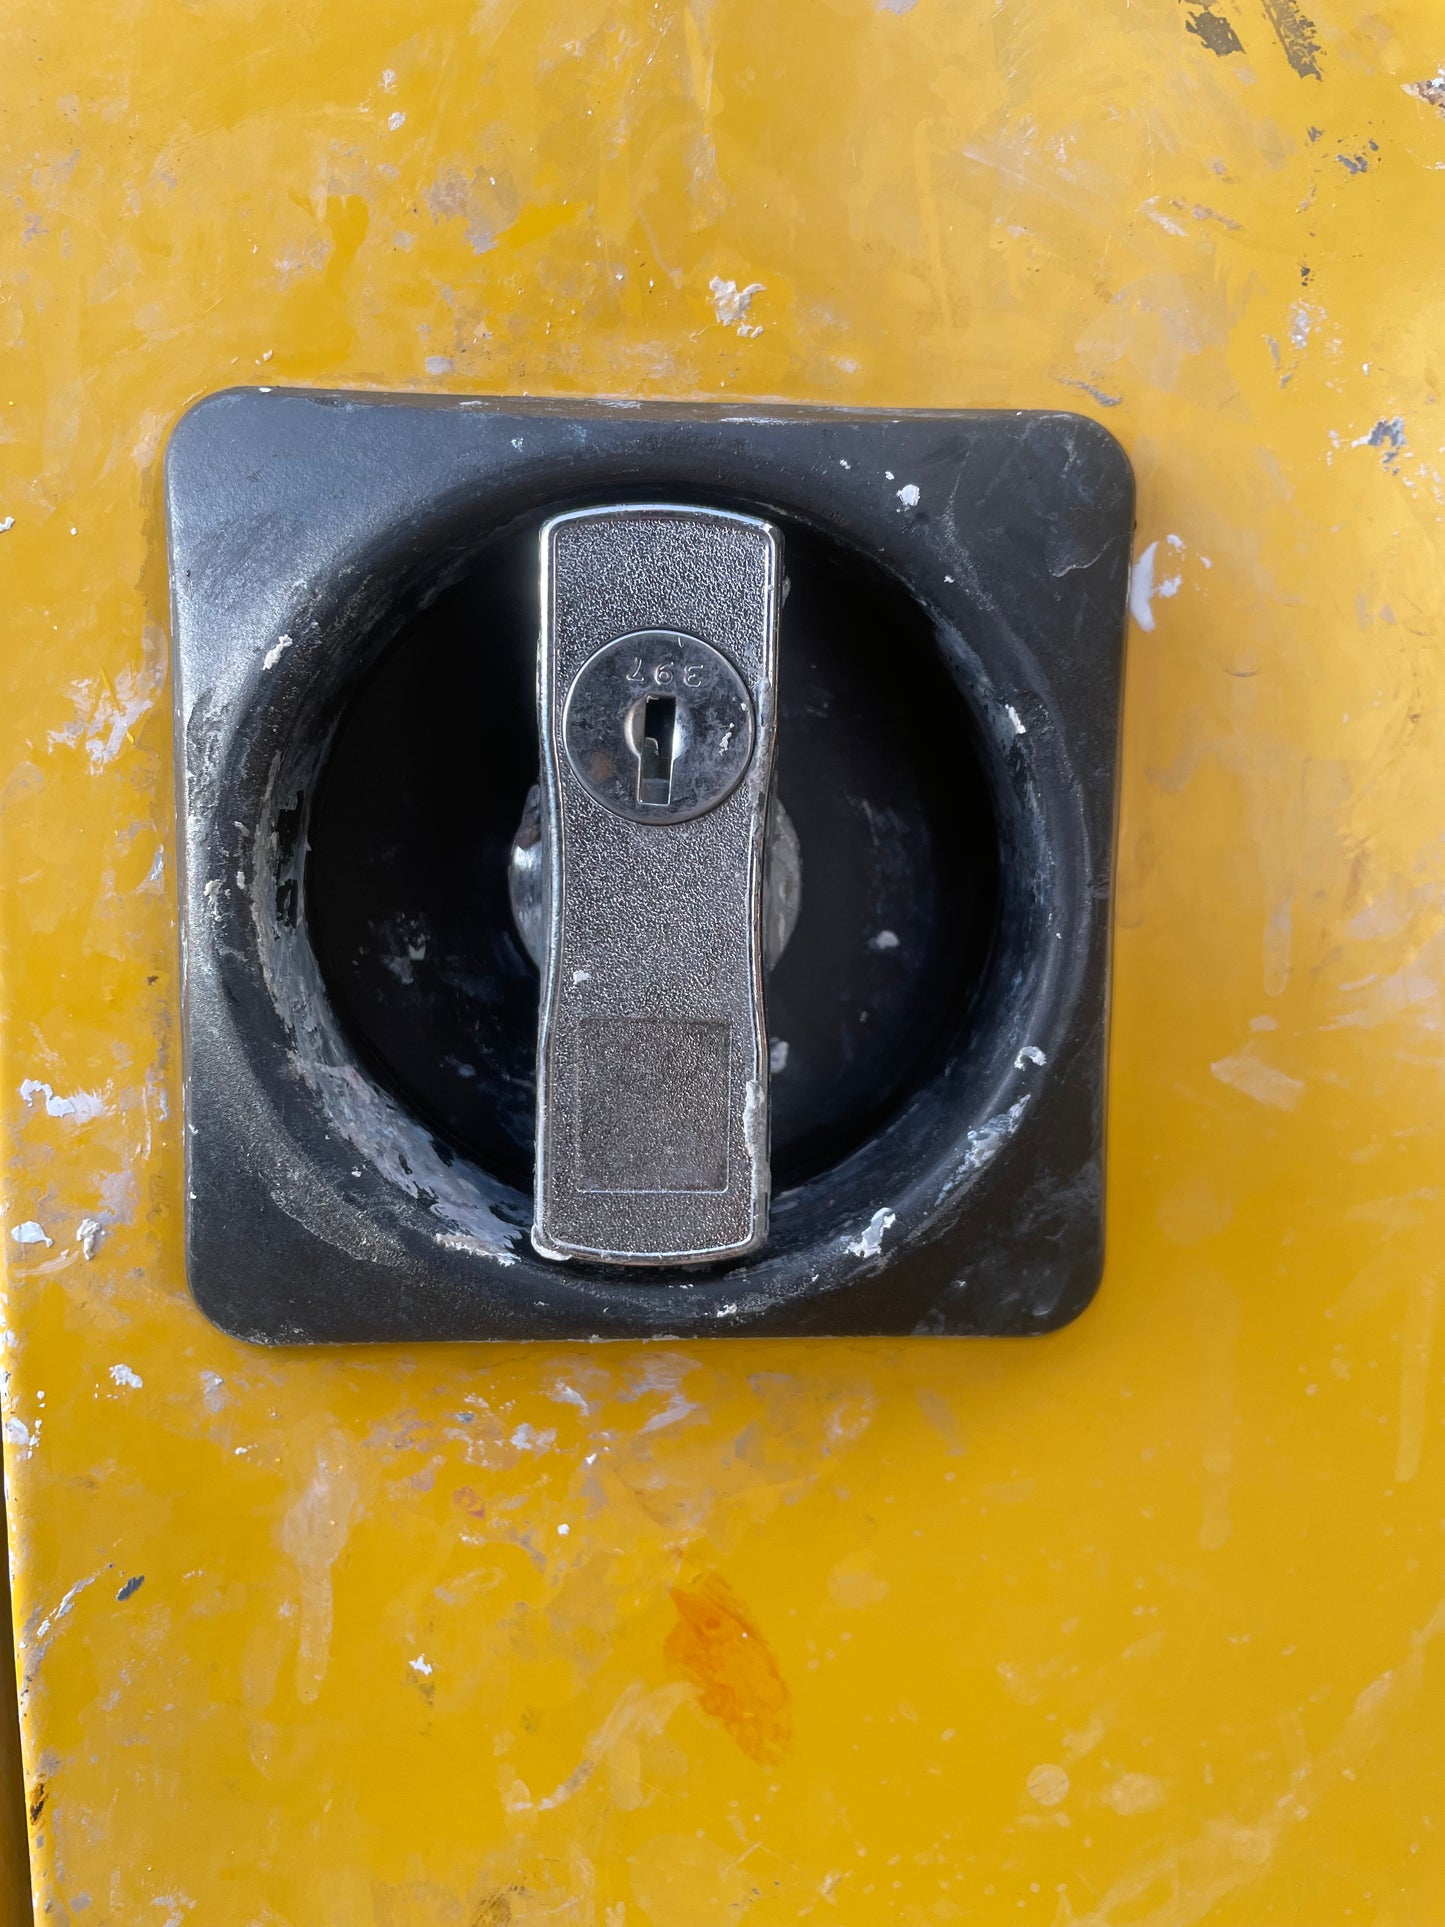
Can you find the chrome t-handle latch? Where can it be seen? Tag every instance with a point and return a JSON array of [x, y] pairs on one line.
[[656, 681]]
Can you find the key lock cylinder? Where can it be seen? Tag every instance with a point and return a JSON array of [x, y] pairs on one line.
[[783, 1008]]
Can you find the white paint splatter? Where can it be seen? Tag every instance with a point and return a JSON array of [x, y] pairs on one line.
[[89, 1233], [213, 1391], [908, 495], [82, 1106], [274, 655], [123, 1375], [884, 940], [1142, 587], [396, 120], [731, 305], [869, 1242], [777, 1054], [421, 1665], [30, 1233], [7, 525], [527, 1438], [1015, 718], [1030, 1054]]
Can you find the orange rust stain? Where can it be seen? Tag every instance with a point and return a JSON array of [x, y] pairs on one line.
[[727, 1659]]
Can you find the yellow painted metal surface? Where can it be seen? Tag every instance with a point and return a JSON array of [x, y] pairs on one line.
[[1140, 1625]]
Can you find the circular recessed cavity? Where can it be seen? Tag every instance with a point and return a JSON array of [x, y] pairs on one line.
[[658, 726], [910, 943]]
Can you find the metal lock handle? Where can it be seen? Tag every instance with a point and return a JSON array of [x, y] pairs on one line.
[[656, 681]]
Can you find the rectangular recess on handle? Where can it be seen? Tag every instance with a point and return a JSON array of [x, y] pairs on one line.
[[652, 1063]]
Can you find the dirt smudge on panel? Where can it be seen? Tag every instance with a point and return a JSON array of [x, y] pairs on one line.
[[493, 1910], [722, 1652], [1296, 34]]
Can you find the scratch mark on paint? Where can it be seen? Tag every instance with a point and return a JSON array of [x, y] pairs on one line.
[[636, 1715], [1259, 1080], [34, 1645], [312, 1535], [1100, 395], [1296, 35], [106, 713], [1183, 1883], [1416, 1346], [719, 1648], [985, 1141]]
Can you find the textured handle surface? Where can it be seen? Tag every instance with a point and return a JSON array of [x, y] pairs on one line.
[[652, 1107]]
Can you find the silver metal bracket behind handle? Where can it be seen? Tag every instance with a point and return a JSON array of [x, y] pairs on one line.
[[656, 682]]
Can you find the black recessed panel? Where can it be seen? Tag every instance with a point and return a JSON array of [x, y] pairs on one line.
[[355, 587]]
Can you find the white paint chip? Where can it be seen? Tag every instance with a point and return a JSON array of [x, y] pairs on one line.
[[88, 1234], [869, 1242], [81, 1106], [1143, 589], [731, 305], [123, 1375], [1030, 1054], [274, 654], [30, 1233], [884, 940], [908, 495], [421, 1665]]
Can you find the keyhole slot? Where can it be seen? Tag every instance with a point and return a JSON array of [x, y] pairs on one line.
[[654, 756]]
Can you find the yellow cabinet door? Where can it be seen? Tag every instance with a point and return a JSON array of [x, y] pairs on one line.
[[1139, 1625]]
